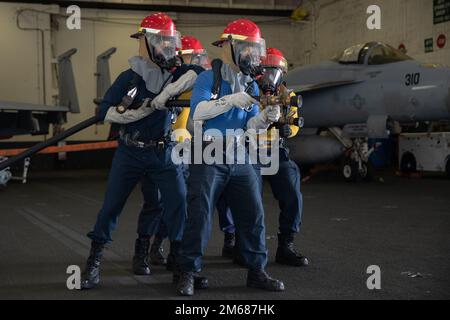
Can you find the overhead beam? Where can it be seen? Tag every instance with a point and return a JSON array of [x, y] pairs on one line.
[[163, 8]]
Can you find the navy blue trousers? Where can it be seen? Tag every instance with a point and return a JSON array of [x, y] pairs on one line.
[[151, 222], [151, 166], [285, 187], [239, 184]]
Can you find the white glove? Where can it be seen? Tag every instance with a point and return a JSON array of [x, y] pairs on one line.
[[128, 116], [265, 118], [184, 83], [206, 110], [240, 100], [273, 113], [159, 102]]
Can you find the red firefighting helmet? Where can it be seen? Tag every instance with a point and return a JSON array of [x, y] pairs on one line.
[[191, 45], [275, 58]]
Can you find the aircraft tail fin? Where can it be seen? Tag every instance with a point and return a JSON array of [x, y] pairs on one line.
[[66, 82]]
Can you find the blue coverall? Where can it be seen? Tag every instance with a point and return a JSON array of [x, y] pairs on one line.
[[151, 165], [238, 182]]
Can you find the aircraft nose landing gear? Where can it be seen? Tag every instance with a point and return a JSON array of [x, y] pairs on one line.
[[356, 166]]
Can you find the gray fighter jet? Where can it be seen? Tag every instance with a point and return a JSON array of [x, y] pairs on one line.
[[367, 91]]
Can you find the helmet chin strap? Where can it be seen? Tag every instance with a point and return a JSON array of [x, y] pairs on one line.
[[232, 54]]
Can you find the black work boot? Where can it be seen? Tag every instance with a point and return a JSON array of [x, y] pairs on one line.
[[140, 262], [228, 245], [238, 259], [286, 253], [185, 285], [261, 280], [174, 252], [91, 274], [156, 252], [199, 281]]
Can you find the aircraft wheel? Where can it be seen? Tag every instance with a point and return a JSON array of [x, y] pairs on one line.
[[5, 176], [367, 172], [408, 163], [350, 170]]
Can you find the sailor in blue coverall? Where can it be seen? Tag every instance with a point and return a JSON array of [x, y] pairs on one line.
[[144, 151], [234, 109], [285, 184]]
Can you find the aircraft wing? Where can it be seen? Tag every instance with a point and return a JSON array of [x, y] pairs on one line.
[[19, 106], [302, 88]]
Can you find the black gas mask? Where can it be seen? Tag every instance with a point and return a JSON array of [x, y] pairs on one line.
[[247, 56], [249, 67], [198, 59], [271, 80], [163, 52]]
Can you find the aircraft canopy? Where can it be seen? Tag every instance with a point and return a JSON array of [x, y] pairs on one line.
[[372, 53]]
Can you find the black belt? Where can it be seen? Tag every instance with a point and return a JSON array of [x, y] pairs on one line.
[[128, 141], [145, 145]]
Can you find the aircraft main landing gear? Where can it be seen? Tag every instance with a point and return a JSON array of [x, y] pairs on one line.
[[5, 174]]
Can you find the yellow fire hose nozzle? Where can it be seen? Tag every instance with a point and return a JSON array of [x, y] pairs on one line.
[[295, 101]]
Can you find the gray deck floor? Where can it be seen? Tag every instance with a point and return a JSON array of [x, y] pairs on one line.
[[401, 225]]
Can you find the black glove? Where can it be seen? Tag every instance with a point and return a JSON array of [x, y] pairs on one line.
[[285, 131]]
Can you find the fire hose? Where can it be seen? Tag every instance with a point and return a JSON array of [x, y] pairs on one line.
[[69, 132], [126, 105]]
